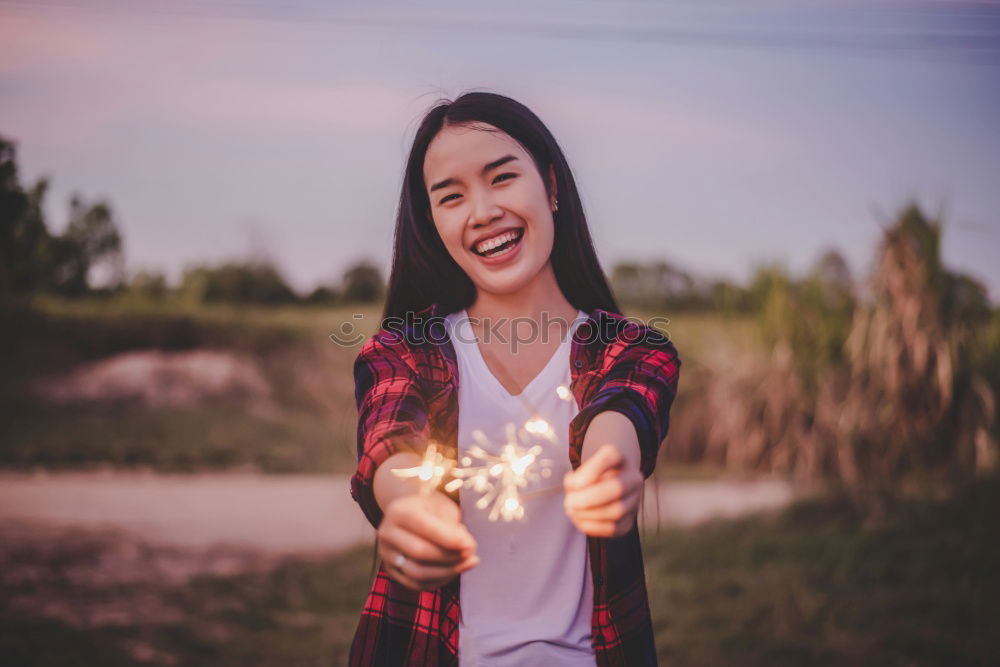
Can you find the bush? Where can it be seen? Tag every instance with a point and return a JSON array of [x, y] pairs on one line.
[[872, 394], [258, 282], [363, 283]]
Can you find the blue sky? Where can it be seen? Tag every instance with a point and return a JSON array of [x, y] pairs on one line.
[[714, 135]]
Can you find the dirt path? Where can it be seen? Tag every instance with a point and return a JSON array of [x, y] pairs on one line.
[[284, 514]]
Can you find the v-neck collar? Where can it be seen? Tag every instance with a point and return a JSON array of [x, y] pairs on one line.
[[583, 354], [479, 360]]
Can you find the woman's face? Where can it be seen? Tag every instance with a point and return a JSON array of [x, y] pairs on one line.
[[490, 206]]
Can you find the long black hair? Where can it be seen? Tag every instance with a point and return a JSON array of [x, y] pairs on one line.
[[423, 272]]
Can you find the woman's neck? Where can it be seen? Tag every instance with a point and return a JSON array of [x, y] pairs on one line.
[[540, 301]]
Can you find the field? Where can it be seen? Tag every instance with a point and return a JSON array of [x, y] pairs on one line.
[[308, 425], [309, 422], [912, 581], [813, 585]]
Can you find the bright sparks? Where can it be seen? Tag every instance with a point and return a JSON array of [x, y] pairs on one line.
[[500, 477], [497, 477], [432, 469], [537, 425]]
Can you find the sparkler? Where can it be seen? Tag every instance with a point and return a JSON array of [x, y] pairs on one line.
[[498, 477], [431, 471]]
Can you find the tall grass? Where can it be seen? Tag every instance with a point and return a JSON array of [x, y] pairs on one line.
[[881, 391], [919, 402]]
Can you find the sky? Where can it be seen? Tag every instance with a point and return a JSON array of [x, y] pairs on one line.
[[714, 135]]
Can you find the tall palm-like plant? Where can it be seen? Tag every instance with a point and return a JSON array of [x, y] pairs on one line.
[[868, 393]]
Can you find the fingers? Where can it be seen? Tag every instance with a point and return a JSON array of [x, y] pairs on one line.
[[413, 518], [615, 509], [606, 505], [613, 520], [415, 547], [607, 457], [604, 528], [430, 573], [420, 575], [413, 584], [436, 546], [608, 488]]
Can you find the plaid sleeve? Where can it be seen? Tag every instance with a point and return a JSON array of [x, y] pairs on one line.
[[392, 414], [641, 371]]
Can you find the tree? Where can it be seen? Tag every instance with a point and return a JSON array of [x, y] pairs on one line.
[[90, 239], [254, 281], [831, 270], [33, 258], [323, 295], [655, 285], [363, 283], [150, 284], [24, 238], [728, 297]]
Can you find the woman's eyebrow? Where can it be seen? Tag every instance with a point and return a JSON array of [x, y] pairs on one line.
[[491, 165]]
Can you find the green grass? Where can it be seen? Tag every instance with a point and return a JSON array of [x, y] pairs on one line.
[[53, 334], [311, 429], [707, 339], [299, 318], [300, 613], [810, 586], [174, 440]]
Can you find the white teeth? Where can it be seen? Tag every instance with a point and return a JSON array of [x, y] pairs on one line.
[[501, 253], [486, 246]]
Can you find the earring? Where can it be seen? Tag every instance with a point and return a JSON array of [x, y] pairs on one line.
[[555, 207]]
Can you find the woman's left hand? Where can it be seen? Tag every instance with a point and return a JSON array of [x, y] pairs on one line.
[[602, 494]]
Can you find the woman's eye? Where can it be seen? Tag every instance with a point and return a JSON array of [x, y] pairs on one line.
[[445, 200], [502, 176]]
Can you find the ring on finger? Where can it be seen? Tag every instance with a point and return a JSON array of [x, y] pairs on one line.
[[399, 561]]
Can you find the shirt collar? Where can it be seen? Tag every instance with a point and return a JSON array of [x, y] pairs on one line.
[[583, 353]]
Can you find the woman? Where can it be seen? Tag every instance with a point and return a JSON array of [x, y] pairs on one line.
[[490, 236]]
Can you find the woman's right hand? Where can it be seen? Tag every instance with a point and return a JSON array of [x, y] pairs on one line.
[[428, 531]]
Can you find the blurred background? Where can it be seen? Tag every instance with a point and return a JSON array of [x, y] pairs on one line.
[[195, 195]]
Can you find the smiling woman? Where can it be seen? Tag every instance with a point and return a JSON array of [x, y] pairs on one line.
[[490, 235], [482, 211], [503, 151]]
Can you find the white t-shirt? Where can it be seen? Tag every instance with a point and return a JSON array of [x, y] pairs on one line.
[[530, 600]]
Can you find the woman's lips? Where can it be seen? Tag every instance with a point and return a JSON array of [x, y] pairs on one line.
[[515, 233], [506, 256]]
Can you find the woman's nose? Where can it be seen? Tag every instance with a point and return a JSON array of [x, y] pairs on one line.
[[484, 209]]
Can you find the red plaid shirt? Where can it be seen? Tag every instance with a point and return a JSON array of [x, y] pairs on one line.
[[406, 388]]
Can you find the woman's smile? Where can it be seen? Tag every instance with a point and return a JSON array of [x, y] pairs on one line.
[[500, 249]]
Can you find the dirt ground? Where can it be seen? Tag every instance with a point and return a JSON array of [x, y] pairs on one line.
[[105, 549], [284, 514]]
